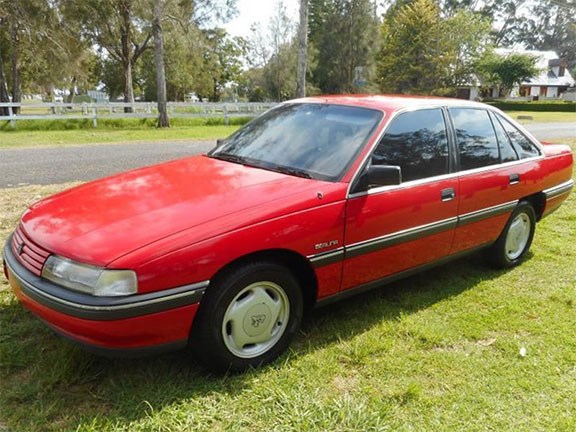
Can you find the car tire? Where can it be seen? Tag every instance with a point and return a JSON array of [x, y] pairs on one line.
[[247, 318], [514, 242]]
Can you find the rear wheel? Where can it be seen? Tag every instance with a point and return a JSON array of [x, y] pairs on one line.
[[248, 317], [514, 242]]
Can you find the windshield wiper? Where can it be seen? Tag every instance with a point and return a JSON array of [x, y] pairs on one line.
[[290, 171], [228, 157], [242, 160], [246, 161]]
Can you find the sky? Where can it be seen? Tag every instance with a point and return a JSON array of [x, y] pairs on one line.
[[257, 11]]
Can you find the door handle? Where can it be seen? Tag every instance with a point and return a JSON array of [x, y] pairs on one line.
[[448, 194], [514, 178]]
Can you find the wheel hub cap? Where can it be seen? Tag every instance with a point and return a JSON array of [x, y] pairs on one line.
[[518, 235], [257, 320]]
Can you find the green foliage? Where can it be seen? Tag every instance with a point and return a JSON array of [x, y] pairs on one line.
[[428, 53], [272, 55], [507, 70], [103, 124], [344, 34], [411, 59], [568, 107]]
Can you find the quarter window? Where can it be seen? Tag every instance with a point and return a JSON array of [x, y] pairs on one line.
[[416, 142], [477, 142], [523, 146], [507, 152]]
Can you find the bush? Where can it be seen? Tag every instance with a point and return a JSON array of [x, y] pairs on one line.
[[560, 106]]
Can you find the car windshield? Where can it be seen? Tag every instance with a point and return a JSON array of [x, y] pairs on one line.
[[304, 139]]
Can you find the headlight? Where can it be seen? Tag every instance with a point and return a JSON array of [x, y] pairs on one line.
[[88, 279]]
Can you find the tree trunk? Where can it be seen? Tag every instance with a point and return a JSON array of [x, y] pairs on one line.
[[4, 96], [127, 56], [16, 91], [302, 50], [163, 120], [70, 98]]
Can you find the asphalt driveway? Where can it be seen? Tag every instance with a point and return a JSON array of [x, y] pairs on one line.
[[52, 165]]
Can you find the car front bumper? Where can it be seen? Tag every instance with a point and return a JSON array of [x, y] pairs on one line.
[[131, 325]]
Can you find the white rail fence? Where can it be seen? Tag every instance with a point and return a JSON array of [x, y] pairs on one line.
[[116, 110]]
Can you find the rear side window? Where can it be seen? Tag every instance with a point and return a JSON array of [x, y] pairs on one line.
[[523, 146], [477, 142], [507, 152], [417, 142]]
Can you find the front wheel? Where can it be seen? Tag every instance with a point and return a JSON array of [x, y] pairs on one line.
[[516, 238], [248, 317]]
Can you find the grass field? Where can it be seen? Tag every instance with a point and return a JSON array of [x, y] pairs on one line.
[[35, 133], [24, 138], [543, 116], [440, 351]]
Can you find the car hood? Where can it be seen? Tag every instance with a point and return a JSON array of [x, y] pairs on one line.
[[102, 220]]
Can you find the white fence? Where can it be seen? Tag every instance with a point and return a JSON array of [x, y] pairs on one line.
[[99, 111]]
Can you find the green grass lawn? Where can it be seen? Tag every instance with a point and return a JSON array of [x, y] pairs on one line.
[[27, 138], [436, 352], [543, 116]]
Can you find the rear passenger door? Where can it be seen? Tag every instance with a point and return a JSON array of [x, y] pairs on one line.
[[493, 176], [391, 229]]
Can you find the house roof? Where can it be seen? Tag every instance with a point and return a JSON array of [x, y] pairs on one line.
[[548, 63]]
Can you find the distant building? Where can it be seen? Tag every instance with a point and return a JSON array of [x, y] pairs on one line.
[[553, 80]]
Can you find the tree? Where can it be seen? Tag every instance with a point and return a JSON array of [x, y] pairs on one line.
[[508, 70], [163, 120], [222, 59], [116, 26], [412, 55], [274, 52], [345, 35], [425, 50], [549, 25], [43, 48], [536, 25], [466, 37], [302, 49]]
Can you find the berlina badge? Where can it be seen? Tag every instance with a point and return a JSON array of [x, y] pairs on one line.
[[326, 245], [20, 248]]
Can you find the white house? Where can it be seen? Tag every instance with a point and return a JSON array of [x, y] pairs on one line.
[[553, 80]]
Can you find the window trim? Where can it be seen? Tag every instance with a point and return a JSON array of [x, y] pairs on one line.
[[354, 182], [455, 171]]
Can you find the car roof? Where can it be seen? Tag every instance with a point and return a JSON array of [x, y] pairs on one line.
[[388, 102]]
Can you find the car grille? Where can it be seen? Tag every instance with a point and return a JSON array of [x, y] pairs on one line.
[[28, 253]]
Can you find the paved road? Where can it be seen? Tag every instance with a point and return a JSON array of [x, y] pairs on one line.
[[549, 131], [54, 165]]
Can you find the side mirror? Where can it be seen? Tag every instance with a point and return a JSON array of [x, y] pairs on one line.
[[220, 141], [382, 175]]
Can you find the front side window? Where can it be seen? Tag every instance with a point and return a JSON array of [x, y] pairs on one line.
[[417, 142], [308, 140], [477, 142]]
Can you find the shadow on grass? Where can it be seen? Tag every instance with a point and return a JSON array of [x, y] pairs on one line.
[[46, 383]]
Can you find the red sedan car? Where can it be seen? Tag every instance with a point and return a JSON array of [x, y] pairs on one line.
[[315, 200]]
